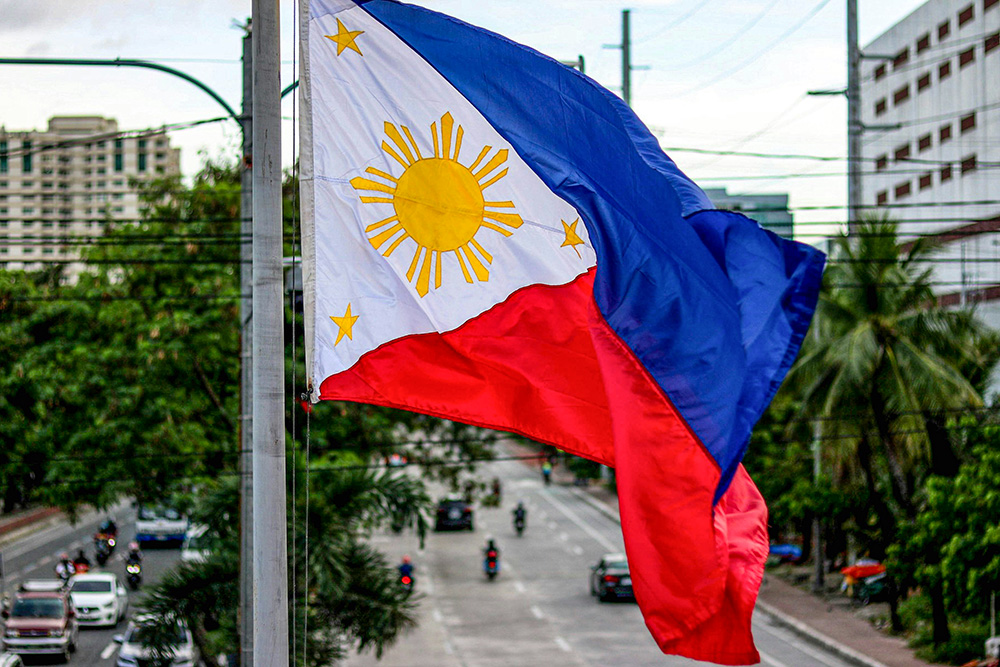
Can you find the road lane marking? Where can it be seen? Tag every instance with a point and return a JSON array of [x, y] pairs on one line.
[[572, 516], [577, 549], [553, 525], [769, 660], [563, 644], [789, 639], [536, 612], [436, 614], [108, 651], [448, 648], [518, 586], [45, 561], [564, 537]]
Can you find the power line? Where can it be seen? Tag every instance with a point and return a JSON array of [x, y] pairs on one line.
[[673, 24]]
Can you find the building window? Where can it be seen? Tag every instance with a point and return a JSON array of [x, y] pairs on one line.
[[924, 42], [992, 41], [966, 15], [119, 161], [989, 4], [26, 159], [902, 153], [3, 157], [28, 210], [881, 162], [968, 122], [944, 29], [923, 143], [880, 107], [924, 82], [969, 163], [903, 190], [880, 71], [142, 162], [925, 181], [966, 57], [944, 70], [944, 133], [901, 58], [882, 197], [28, 251], [901, 95]]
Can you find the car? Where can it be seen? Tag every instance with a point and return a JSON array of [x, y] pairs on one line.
[[99, 598], [40, 623], [42, 585], [135, 650], [160, 524], [453, 513], [194, 548], [610, 578]]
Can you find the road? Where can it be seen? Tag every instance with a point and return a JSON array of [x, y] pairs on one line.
[[539, 610], [34, 557]]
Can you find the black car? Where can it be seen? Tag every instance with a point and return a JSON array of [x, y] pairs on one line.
[[610, 578], [453, 513]]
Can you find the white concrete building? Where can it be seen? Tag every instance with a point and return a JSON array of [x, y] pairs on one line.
[[938, 172], [60, 186]]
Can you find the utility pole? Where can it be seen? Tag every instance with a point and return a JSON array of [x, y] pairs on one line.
[[626, 59], [270, 561], [246, 358], [854, 126], [818, 558]]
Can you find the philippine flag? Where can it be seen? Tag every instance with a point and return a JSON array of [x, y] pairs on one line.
[[492, 237]]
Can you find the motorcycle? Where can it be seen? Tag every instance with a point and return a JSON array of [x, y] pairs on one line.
[[519, 525], [133, 575], [102, 550], [406, 582], [491, 564]]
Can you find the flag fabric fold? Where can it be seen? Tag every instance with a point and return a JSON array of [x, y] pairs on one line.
[[492, 237]]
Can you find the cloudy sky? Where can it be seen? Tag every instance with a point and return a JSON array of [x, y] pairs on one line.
[[722, 75]]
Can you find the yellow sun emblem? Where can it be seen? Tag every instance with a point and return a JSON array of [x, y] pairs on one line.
[[438, 203]]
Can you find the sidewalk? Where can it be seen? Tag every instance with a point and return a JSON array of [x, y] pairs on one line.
[[833, 627], [19, 524]]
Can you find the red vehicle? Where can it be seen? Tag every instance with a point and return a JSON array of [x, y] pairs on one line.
[[40, 623]]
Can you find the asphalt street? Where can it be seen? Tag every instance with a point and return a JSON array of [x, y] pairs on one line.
[[35, 556], [539, 610]]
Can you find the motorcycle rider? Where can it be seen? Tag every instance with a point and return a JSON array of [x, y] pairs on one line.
[[520, 515], [491, 552], [406, 567], [108, 527], [64, 567], [81, 563], [134, 554], [547, 472]]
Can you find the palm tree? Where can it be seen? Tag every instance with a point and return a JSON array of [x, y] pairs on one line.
[[883, 364]]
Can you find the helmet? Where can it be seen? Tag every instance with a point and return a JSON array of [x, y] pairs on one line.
[[64, 556], [406, 558], [133, 546]]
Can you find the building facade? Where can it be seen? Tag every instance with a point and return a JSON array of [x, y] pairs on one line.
[[930, 99], [770, 211], [59, 187]]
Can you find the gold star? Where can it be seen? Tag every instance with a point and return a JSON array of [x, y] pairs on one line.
[[345, 38], [572, 238], [346, 324]]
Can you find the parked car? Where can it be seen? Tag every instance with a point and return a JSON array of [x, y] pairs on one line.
[[160, 524], [42, 585], [194, 548], [40, 623], [99, 598], [610, 578], [453, 513], [135, 649]]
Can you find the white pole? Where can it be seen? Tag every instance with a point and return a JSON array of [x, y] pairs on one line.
[[270, 562]]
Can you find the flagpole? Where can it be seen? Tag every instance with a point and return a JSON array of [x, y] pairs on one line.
[[270, 562]]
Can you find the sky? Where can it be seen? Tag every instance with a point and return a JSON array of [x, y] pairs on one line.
[[717, 75]]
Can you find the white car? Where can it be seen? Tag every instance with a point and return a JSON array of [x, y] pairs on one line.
[[193, 550], [134, 650], [99, 598]]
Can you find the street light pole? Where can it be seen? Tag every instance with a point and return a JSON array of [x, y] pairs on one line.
[[854, 127]]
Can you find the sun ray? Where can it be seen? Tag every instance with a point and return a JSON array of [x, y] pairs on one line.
[[499, 204], [434, 135], [495, 161], [494, 179], [509, 219], [381, 223], [416, 148], [482, 154], [446, 124], [378, 172], [413, 264], [482, 251], [376, 200], [382, 237], [388, 149], [477, 266], [437, 269], [397, 139], [496, 228], [395, 244], [424, 279], [458, 141], [362, 183], [465, 271]]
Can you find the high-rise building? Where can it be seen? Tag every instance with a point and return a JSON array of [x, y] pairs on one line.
[[931, 87], [60, 186], [770, 211]]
